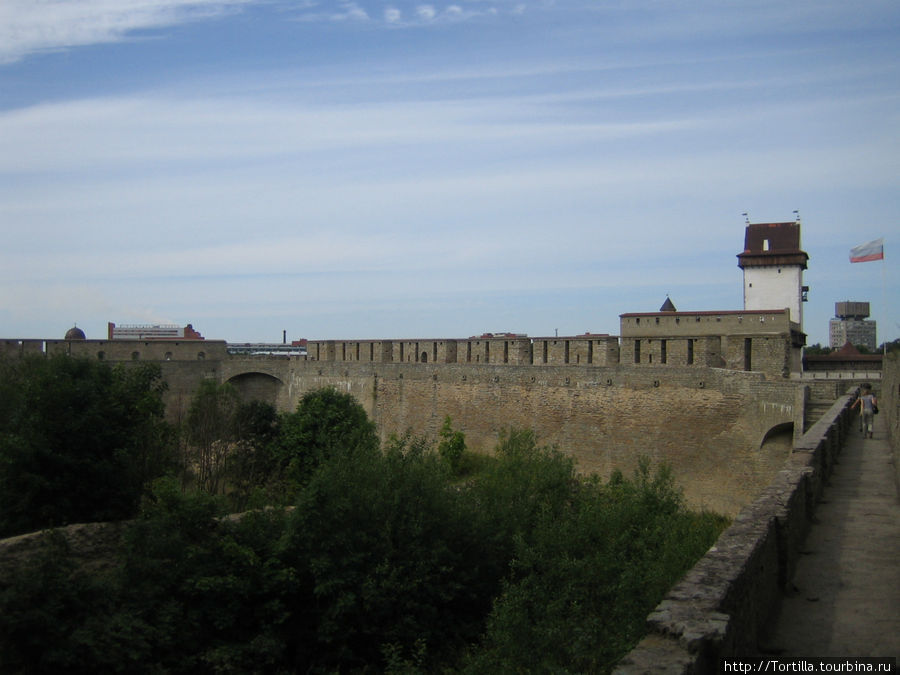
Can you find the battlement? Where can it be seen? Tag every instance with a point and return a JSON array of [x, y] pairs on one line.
[[488, 349], [760, 340]]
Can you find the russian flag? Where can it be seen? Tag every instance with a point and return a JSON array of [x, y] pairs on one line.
[[871, 250]]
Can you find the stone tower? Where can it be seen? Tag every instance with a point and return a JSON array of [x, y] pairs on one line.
[[773, 265]]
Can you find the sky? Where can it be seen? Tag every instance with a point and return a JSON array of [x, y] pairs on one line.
[[402, 169]]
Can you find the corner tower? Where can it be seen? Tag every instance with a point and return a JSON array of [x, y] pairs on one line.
[[773, 265]]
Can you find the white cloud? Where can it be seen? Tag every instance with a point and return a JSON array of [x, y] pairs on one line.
[[426, 12], [27, 26], [350, 11], [392, 15]]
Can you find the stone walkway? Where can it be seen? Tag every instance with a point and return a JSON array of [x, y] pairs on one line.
[[845, 599]]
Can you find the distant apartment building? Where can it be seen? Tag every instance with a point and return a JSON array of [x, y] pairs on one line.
[[152, 332], [851, 324]]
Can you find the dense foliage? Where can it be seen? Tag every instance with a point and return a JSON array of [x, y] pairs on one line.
[[391, 559], [79, 440]]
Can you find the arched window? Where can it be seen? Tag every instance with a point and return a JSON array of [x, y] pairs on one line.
[[101, 355], [135, 356]]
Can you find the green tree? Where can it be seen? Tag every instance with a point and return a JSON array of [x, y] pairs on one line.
[[253, 465], [325, 422], [211, 431], [394, 560], [229, 443], [583, 582], [452, 445], [525, 480], [197, 592], [78, 440]]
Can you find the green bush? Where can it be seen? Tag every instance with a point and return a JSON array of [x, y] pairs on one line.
[[452, 445], [583, 581]]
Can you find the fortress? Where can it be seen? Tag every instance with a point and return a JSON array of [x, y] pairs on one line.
[[716, 395]]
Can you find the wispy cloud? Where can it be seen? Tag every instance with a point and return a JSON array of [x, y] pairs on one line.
[[27, 26], [404, 14]]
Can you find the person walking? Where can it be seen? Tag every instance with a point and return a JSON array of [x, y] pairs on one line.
[[868, 406]]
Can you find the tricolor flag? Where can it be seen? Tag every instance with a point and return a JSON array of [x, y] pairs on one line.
[[871, 250]]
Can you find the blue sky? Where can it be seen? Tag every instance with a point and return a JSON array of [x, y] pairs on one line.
[[410, 169]]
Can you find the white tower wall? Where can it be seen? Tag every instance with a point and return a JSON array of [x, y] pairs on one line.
[[775, 288]]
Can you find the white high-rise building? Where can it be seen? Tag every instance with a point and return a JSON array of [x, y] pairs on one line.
[[851, 324]]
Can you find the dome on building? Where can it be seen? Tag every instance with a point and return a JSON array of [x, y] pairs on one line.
[[75, 333]]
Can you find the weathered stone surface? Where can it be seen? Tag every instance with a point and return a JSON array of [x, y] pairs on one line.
[[92, 546]]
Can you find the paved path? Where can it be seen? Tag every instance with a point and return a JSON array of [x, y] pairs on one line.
[[846, 600]]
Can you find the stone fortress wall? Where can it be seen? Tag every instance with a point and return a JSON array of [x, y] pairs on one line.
[[724, 432]]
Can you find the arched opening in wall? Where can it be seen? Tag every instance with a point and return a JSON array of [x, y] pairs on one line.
[[257, 387], [779, 439], [135, 356], [101, 355], [424, 357]]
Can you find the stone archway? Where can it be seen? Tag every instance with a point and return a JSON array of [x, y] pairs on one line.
[[257, 387], [777, 445]]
